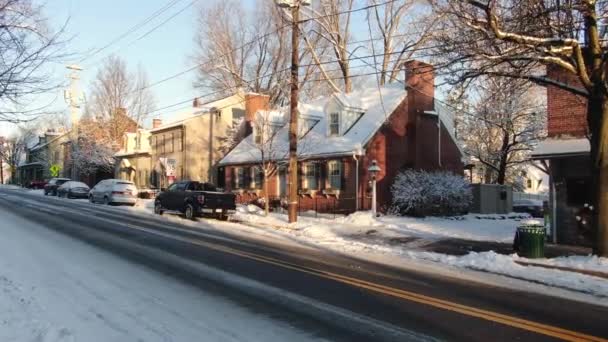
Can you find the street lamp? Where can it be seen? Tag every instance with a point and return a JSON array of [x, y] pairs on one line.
[[373, 170], [357, 153]]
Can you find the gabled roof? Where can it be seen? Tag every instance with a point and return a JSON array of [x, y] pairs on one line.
[[316, 143]]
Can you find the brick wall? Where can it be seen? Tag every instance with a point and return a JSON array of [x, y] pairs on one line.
[[567, 112]]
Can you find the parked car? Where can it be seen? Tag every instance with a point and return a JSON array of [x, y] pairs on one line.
[[51, 187], [73, 189], [114, 191], [36, 184], [194, 199], [533, 207]]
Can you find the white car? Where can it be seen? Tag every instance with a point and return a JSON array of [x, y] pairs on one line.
[[114, 191]]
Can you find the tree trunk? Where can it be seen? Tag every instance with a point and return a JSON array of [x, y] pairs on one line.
[[502, 166], [266, 198], [598, 123]]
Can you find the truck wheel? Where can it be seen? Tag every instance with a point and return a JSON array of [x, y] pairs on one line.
[[158, 208], [222, 217], [189, 212]]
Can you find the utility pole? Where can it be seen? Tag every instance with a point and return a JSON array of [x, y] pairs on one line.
[[73, 98], [294, 5]]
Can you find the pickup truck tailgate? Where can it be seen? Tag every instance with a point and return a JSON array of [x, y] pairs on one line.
[[219, 200]]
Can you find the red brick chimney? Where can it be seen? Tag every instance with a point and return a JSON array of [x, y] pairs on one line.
[[156, 123], [566, 112], [420, 85], [255, 102]]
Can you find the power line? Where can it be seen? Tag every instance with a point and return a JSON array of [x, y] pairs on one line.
[[258, 38], [134, 28]]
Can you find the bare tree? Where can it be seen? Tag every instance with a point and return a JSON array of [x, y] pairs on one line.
[[249, 54], [268, 144], [27, 47], [12, 149], [333, 19], [115, 88], [507, 120], [516, 38], [402, 28]]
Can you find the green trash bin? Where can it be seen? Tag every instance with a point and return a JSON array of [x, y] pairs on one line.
[[530, 241]]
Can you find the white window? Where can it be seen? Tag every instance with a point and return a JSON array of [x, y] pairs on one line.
[[334, 123], [239, 175], [258, 177], [334, 173], [311, 176], [257, 135]]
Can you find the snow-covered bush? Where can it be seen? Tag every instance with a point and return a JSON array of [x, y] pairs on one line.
[[422, 193]]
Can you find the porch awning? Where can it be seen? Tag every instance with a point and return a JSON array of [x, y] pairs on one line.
[[34, 164], [559, 148]]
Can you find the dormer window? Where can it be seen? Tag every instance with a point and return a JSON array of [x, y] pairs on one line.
[[334, 124]]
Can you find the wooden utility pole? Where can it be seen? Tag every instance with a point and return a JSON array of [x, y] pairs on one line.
[[293, 114]]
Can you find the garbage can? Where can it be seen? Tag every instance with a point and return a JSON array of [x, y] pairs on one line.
[[530, 241]]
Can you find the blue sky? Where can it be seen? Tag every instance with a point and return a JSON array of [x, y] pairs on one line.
[[163, 53]]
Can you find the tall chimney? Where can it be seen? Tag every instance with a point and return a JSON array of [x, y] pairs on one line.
[[420, 84], [156, 123], [255, 102]]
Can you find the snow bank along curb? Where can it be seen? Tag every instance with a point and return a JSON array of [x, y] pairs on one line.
[[562, 268], [507, 265]]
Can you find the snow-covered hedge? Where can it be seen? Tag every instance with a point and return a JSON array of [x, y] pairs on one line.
[[422, 193]]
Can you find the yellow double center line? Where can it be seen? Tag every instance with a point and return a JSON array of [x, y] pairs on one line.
[[515, 322]]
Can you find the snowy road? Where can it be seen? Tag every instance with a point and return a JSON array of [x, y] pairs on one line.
[[87, 272], [55, 288]]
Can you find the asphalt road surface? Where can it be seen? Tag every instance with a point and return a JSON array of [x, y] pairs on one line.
[[333, 297]]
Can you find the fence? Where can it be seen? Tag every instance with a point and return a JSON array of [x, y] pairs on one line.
[[312, 206], [517, 196]]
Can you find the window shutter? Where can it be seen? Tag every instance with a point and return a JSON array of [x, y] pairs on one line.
[[233, 178], [300, 176], [342, 175], [323, 178]]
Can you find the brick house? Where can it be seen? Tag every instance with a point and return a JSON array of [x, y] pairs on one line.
[[341, 134], [566, 156], [191, 146]]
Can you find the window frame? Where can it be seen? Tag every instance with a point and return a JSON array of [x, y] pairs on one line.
[[314, 168], [332, 166], [331, 124], [257, 171]]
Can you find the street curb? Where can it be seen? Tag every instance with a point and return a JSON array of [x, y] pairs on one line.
[[567, 269]]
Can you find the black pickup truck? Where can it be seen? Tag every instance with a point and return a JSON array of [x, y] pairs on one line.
[[194, 199]]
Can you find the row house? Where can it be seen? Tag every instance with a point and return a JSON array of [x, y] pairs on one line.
[[188, 147], [47, 153], [565, 154], [133, 161], [340, 136]]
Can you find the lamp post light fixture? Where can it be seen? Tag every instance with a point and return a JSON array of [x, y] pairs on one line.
[[373, 170]]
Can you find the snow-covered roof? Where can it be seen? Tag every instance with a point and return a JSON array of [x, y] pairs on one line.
[[551, 148], [317, 143]]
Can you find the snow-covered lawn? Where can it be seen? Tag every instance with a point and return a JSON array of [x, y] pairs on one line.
[[54, 288], [495, 228]]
